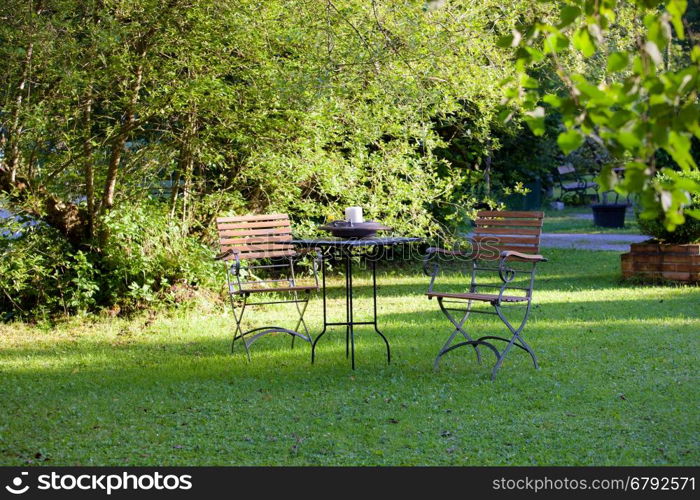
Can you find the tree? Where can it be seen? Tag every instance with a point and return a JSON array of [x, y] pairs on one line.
[[216, 107], [644, 103], [244, 106]]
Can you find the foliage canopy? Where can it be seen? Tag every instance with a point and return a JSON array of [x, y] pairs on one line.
[[645, 102]]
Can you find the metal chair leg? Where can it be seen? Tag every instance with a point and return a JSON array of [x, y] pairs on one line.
[[515, 340], [520, 343], [260, 332], [238, 333], [516, 337], [458, 329], [301, 322], [264, 330]]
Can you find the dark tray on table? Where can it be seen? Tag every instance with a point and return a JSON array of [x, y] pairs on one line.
[[344, 229]]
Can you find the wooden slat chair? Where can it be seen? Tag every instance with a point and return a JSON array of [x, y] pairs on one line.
[[500, 237], [570, 181], [253, 238]]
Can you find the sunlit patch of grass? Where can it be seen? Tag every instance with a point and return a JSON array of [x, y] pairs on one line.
[[570, 220]]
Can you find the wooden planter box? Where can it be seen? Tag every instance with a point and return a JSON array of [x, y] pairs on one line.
[[662, 261]]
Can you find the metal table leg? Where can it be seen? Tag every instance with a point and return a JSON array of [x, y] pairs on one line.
[[348, 301], [323, 287], [374, 299], [349, 319]]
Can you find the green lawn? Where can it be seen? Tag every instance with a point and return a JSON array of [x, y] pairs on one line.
[[617, 385], [570, 220]]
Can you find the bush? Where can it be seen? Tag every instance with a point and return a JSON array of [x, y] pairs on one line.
[[40, 273], [688, 232], [149, 253], [150, 260]]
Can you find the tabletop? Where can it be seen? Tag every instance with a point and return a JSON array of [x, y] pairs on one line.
[[353, 242]]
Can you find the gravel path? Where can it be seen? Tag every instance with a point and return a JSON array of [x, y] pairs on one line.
[[582, 241]]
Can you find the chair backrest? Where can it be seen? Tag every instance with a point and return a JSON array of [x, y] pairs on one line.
[[497, 231], [566, 169], [256, 236]]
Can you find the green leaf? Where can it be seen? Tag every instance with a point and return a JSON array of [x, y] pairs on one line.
[[638, 65], [528, 82], [505, 41], [617, 61], [584, 42], [506, 81], [689, 116], [658, 30], [568, 15], [523, 56], [600, 115], [555, 42], [596, 95], [608, 14], [695, 54], [677, 8], [628, 139], [620, 117], [552, 100], [505, 115], [659, 133], [535, 55], [570, 140], [535, 120], [512, 40], [679, 149]]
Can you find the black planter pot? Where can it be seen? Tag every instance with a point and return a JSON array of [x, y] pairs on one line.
[[609, 215]]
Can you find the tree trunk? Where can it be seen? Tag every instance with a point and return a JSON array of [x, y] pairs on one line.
[[14, 133], [185, 166], [174, 188], [88, 163], [487, 175], [188, 158], [67, 218], [120, 141]]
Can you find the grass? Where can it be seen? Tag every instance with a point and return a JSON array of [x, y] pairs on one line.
[[617, 384], [571, 220]]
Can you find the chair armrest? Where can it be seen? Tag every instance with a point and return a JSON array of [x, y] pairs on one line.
[[307, 250], [430, 265], [223, 255], [507, 274], [317, 260], [526, 257], [236, 266]]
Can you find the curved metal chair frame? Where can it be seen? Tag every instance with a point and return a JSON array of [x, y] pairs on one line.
[[263, 237], [506, 237]]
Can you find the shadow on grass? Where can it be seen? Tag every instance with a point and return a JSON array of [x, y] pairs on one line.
[[145, 358]]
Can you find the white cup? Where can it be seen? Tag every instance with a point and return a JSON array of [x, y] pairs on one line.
[[354, 215]]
